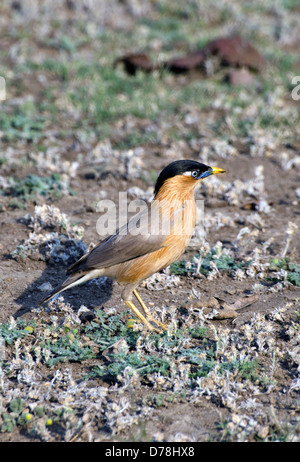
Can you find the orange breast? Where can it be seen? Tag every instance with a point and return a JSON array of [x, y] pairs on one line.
[[183, 217]]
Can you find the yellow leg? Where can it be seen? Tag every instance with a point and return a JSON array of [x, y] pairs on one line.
[[148, 313], [142, 318]]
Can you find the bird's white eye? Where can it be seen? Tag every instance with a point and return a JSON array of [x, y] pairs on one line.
[[195, 173]]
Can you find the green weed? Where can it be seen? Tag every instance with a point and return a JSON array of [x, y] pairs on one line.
[[66, 348], [222, 262], [32, 185], [11, 331], [21, 125], [292, 269], [10, 418]]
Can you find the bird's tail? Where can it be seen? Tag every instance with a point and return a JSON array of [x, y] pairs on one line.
[[71, 281]]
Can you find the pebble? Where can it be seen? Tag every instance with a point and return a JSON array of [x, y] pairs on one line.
[[45, 287], [230, 290]]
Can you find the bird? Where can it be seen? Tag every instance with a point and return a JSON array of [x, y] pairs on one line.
[[150, 241]]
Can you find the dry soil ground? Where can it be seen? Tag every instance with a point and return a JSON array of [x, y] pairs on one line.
[[228, 368]]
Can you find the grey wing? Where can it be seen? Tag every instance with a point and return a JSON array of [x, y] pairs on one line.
[[130, 241]]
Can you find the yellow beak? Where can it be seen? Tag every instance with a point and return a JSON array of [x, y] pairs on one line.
[[216, 170], [210, 171]]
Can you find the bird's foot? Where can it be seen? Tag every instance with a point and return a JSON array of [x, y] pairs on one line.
[[151, 324], [148, 320], [162, 326], [148, 315]]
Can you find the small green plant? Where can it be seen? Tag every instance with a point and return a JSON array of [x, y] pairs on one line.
[[221, 261], [145, 365], [108, 330], [24, 123], [292, 269], [11, 331], [31, 186], [13, 415], [66, 349]]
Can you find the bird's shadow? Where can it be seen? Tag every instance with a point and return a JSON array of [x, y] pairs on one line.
[[91, 294]]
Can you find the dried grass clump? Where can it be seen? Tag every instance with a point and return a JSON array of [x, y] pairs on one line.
[[62, 244]]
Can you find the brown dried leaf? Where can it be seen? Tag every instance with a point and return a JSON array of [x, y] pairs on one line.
[[223, 310], [235, 51], [242, 302], [186, 63], [223, 313], [250, 206], [134, 62]]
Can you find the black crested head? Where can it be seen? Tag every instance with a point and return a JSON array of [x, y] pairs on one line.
[[178, 167]]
